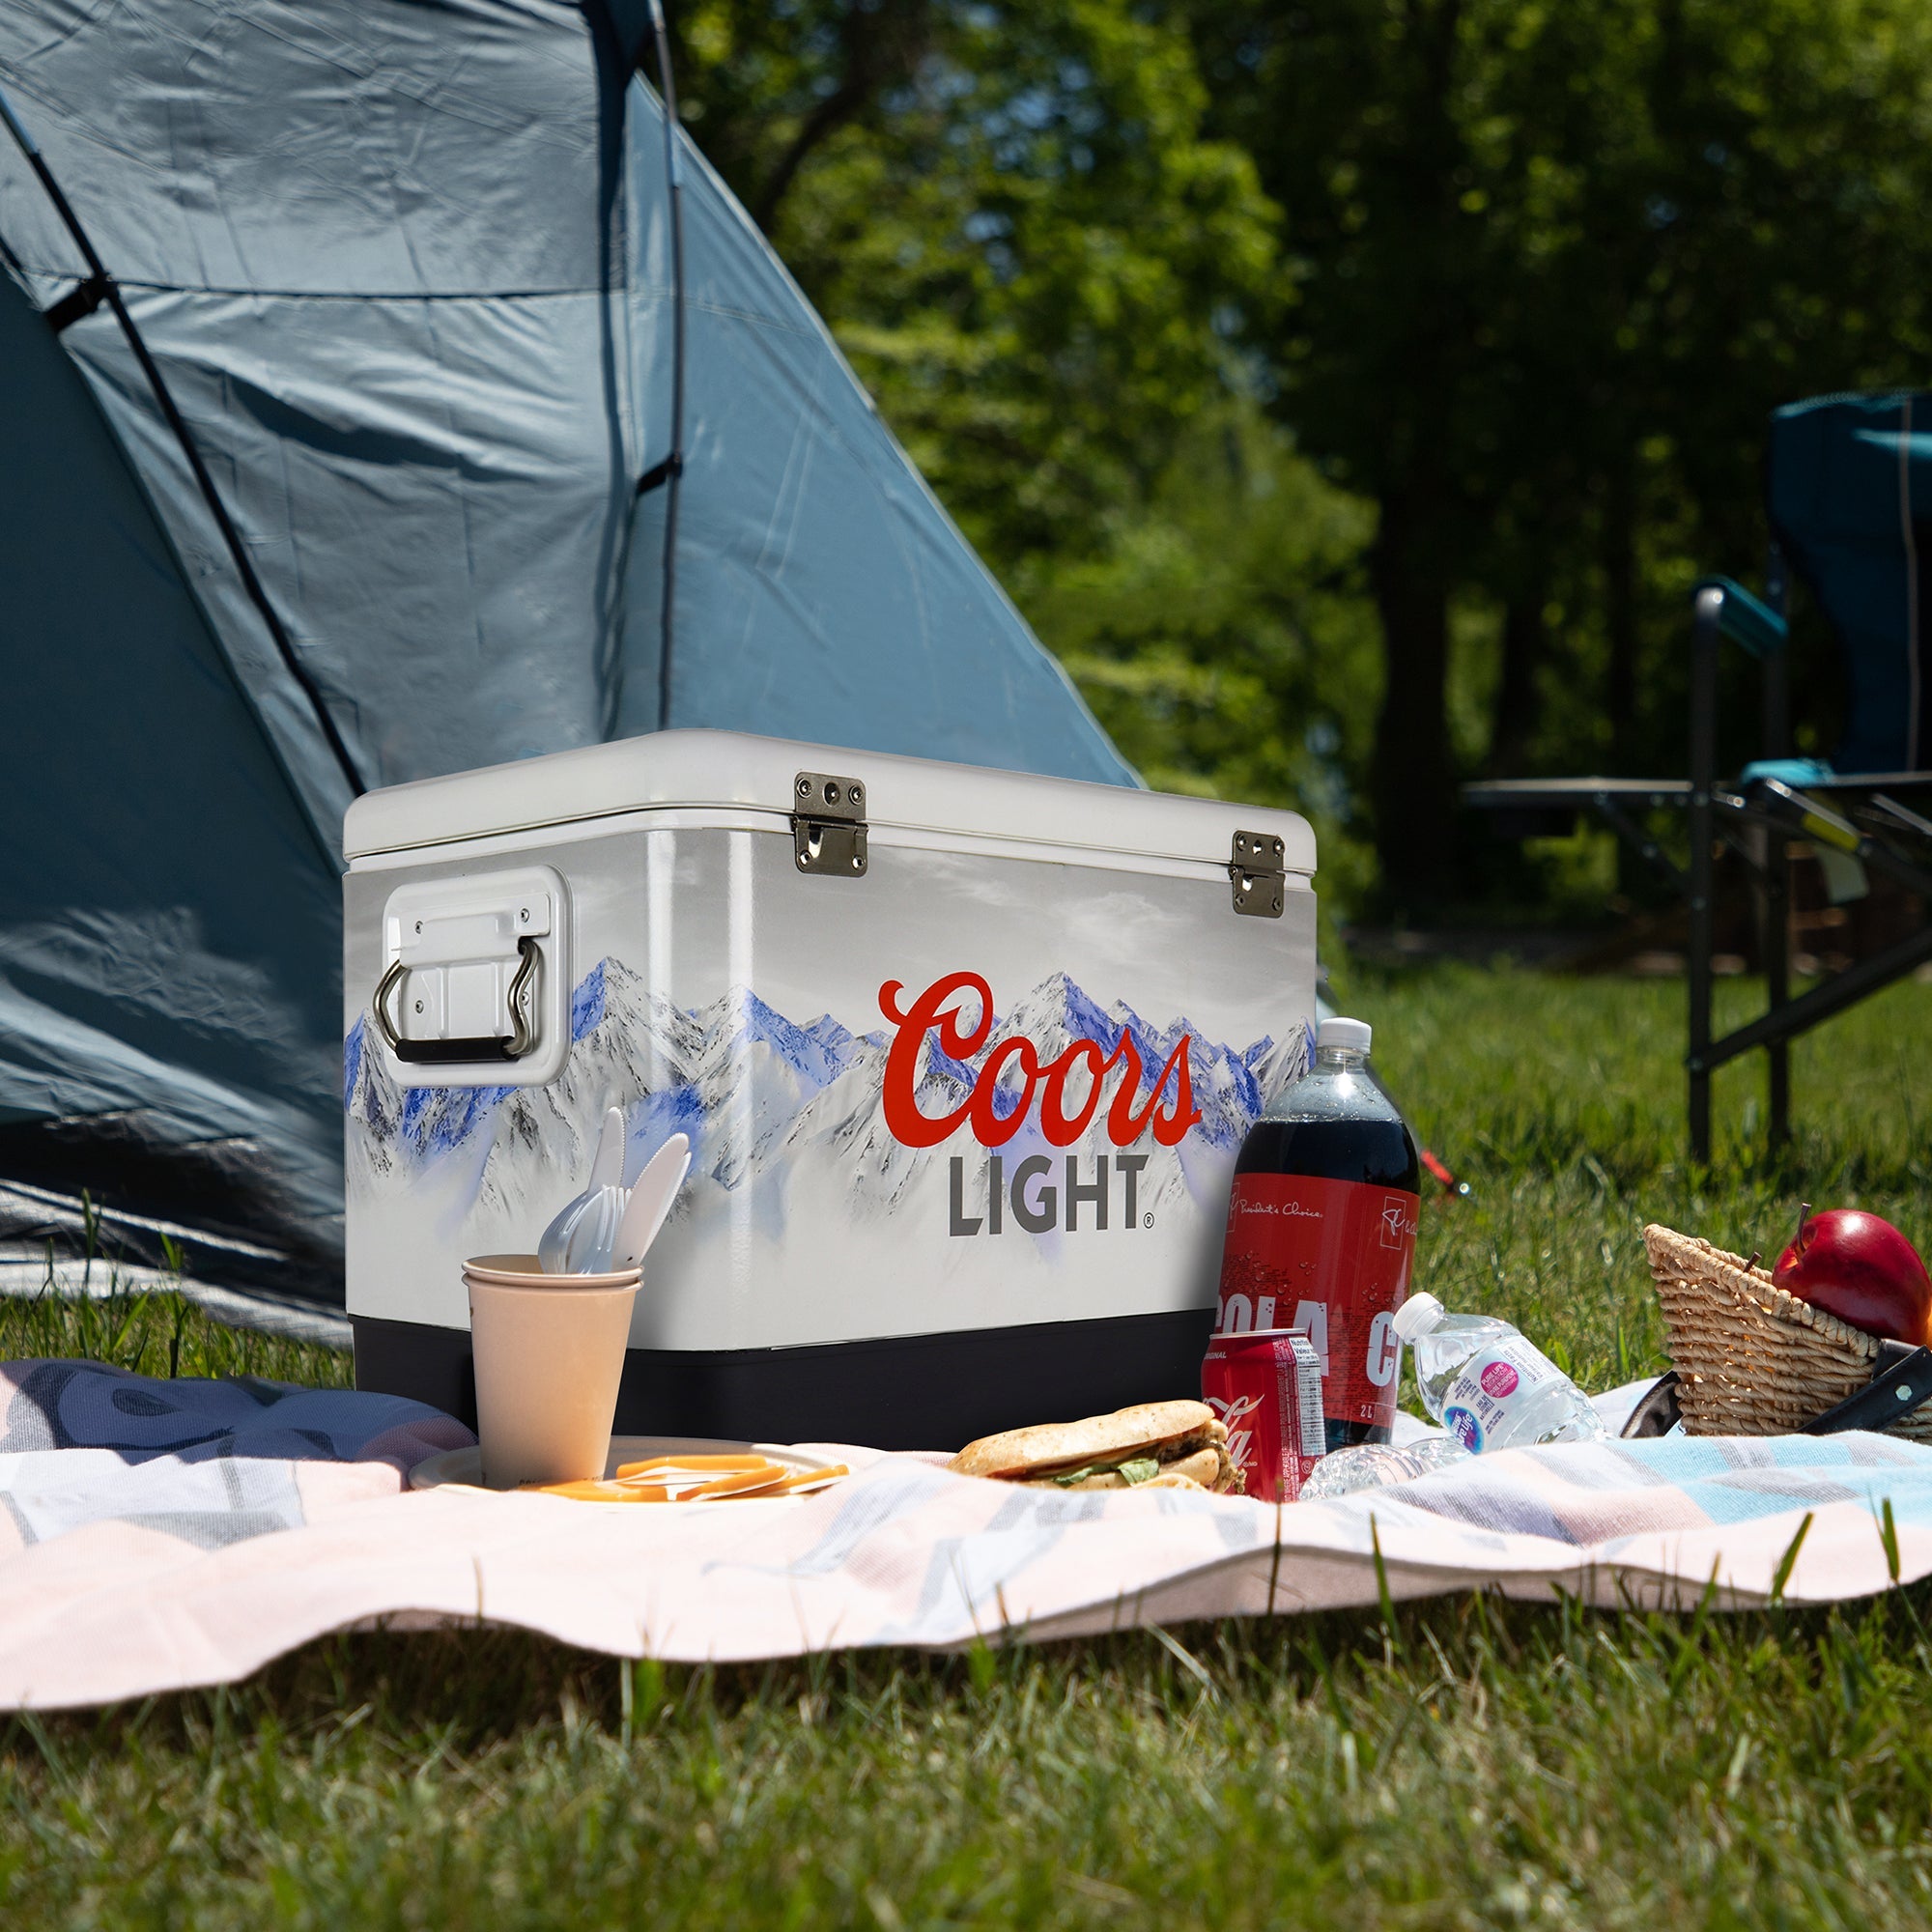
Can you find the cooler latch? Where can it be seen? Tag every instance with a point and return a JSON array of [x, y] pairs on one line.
[[828, 824], [1259, 876]]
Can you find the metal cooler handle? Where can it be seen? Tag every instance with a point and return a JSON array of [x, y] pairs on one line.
[[513, 1046]]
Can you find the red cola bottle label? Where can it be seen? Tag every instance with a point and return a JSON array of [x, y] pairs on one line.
[[1321, 1229], [1331, 1258]]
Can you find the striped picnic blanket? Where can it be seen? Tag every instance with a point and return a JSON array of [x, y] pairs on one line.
[[156, 1535]]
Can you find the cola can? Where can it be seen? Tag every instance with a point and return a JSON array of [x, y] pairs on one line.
[[1265, 1384]]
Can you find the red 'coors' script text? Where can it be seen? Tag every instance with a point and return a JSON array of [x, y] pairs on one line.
[[934, 1011]]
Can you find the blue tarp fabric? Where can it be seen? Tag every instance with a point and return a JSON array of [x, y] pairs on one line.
[[406, 268]]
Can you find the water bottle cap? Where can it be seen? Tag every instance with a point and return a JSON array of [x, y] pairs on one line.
[[1416, 1316], [1353, 1034]]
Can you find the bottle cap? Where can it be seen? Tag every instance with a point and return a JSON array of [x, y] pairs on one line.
[[1353, 1034], [1416, 1316]]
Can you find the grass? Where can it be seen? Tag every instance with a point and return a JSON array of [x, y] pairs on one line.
[[156, 1334], [1464, 1763]]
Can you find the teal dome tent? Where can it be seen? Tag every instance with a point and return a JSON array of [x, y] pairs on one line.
[[336, 341]]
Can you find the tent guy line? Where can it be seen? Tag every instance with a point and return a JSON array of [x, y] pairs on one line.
[[670, 469]]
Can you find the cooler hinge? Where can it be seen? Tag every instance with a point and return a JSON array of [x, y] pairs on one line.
[[828, 824], [1255, 868]]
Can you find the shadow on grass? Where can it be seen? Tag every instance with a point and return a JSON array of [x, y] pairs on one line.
[[469, 1687]]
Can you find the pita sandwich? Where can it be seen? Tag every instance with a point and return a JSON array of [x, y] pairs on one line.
[[1175, 1444]]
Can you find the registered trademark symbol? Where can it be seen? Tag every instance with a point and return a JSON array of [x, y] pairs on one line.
[[1148, 1222]]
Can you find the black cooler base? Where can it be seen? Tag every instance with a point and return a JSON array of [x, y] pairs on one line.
[[909, 1392]]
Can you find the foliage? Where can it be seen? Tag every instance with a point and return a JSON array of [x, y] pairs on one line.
[[153, 1332], [1221, 634], [1470, 1762], [1035, 259], [1529, 282], [1013, 222], [1545, 270]]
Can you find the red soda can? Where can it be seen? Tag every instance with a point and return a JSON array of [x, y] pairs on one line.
[[1265, 1384]]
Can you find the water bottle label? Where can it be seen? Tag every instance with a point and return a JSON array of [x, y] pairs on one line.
[[1330, 1258], [1491, 1387]]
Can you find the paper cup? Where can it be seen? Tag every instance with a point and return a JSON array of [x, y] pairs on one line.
[[548, 1351]]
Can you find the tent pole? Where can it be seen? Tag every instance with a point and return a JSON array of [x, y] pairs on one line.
[[107, 290], [673, 463]]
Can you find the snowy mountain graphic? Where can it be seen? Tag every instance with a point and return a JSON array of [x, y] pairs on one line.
[[773, 1107]]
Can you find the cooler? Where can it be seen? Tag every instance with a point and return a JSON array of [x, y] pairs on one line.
[[965, 1058]]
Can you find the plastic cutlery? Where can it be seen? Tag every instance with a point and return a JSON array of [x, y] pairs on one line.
[[607, 1171], [607, 1164], [589, 1249], [651, 1201]]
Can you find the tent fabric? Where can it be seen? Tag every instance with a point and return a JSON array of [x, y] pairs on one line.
[[1850, 501], [785, 443], [168, 924], [405, 266]]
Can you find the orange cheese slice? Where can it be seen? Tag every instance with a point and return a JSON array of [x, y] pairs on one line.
[[681, 1463], [804, 1480], [737, 1483], [595, 1490], [691, 1479]]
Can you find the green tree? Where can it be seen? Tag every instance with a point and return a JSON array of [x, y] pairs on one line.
[[1546, 269], [1013, 221], [1039, 263], [1222, 633]]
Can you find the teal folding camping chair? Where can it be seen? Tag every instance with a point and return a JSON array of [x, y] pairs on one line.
[[1844, 478]]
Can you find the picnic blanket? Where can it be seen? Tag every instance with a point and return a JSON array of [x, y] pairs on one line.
[[157, 1535]]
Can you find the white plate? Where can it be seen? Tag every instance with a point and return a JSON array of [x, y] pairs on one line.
[[465, 1466]]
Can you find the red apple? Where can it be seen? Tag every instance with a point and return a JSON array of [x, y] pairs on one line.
[[1860, 1269]]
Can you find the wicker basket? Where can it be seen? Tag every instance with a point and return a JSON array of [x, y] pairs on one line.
[[1751, 1360]]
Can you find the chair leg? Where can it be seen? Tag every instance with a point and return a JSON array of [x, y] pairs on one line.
[[1777, 977], [1709, 608], [1776, 721]]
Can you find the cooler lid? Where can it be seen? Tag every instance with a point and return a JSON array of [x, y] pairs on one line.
[[696, 770]]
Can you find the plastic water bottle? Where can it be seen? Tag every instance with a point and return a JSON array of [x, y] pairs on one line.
[[1488, 1384], [1375, 1466]]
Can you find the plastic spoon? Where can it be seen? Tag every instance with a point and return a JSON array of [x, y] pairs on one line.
[[651, 1201], [596, 1241], [589, 1249], [607, 1171]]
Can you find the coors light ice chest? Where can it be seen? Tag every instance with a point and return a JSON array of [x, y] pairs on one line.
[[965, 1056]]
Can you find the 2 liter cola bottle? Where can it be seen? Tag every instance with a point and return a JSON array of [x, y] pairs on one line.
[[1322, 1230]]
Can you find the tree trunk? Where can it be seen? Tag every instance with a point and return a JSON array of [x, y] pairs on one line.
[[880, 47], [1620, 610], [1412, 779], [1415, 559]]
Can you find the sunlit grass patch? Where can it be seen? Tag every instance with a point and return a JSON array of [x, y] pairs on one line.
[[1468, 1762]]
